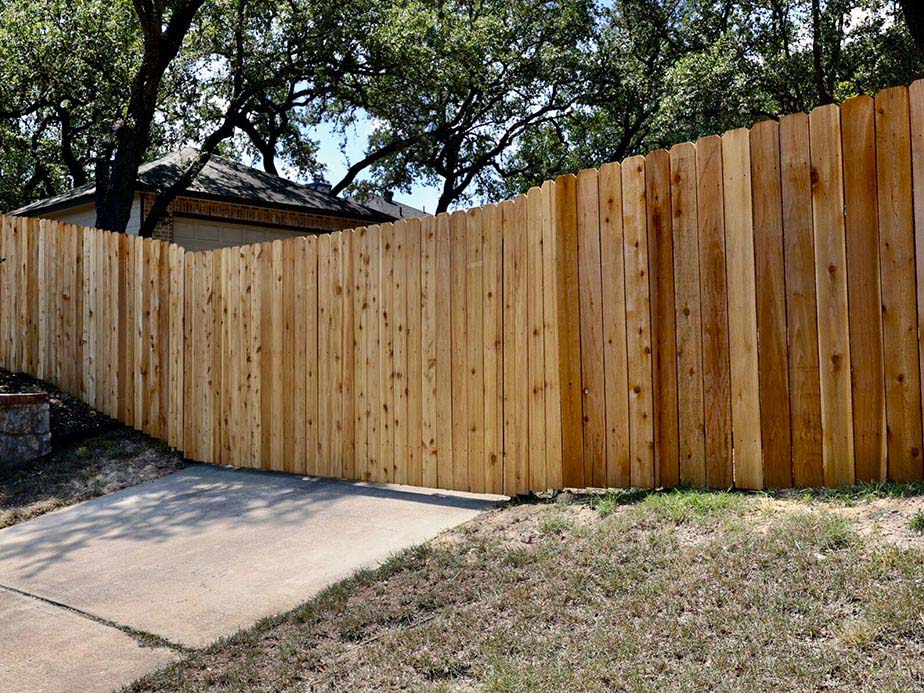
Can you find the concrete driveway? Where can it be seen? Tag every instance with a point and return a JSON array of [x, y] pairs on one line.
[[188, 558]]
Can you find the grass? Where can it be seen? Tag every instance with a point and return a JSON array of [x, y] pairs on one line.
[[916, 523], [681, 591]]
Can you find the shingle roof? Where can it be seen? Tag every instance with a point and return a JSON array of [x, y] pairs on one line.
[[226, 181], [387, 205]]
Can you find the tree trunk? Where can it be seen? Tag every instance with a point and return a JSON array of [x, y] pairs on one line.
[[117, 165], [914, 20]]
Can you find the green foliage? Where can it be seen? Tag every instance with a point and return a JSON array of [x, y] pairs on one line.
[[917, 522], [482, 99]]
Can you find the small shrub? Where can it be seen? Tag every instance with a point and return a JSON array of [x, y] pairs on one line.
[[917, 522]]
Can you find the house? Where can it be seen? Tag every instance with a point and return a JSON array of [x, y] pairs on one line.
[[227, 204], [386, 204]]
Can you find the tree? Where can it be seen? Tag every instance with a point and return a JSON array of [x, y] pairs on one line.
[[913, 12], [58, 95], [480, 76], [187, 72]]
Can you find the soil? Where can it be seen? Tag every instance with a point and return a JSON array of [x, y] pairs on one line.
[[71, 419], [92, 455]]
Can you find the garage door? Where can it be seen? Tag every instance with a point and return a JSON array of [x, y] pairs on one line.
[[196, 234]]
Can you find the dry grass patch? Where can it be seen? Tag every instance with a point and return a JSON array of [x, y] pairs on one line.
[[675, 591], [74, 473]]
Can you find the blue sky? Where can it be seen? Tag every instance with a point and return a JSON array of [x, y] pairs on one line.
[[337, 161]]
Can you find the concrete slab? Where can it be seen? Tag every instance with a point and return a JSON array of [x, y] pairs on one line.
[[47, 649], [203, 552]]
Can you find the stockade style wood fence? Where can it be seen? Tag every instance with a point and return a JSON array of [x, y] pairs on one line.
[[744, 310]]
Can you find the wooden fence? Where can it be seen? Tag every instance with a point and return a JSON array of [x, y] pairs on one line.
[[746, 310]]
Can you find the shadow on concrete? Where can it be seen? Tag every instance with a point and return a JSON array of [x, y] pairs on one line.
[[201, 499]]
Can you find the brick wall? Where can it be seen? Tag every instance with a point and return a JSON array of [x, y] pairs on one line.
[[253, 216]]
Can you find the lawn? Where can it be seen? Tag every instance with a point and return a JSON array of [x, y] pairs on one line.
[[667, 591]]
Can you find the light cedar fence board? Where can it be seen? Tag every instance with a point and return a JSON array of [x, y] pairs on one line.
[[137, 329], [685, 233], [79, 233], [325, 357], [550, 300], [474, 334], [277, 358], [232, 383], [444, 334], [459, 322], [831, 284], [347, 420], [360, 344], [513, 444], [615, 364], [387, 369], [53, 311], [771, 304], [102, 323], [149, 301], [569, 330], [188, 393], [492, 242], [638, 324], [399, 418], [243, 360], [538, 474], [312, 329], [663, 328], [23, 259], [590, 286], [14, 294], [217, 348], [801, 309], [117, 314], [520, 299], [372, 353], [163, 347], [212, 354], [429, 327], [176, 260], [864, 292], [288, 355], [225, 404], [29, 278], [299, 357], [899, 309], [70, 323], [124, 362], [414, 380], [62, 341], [250, 276], [742, 304], [263, 266], [373, 356], [46, 318]]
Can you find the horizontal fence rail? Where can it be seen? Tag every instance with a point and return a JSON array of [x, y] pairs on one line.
[[745, 310]]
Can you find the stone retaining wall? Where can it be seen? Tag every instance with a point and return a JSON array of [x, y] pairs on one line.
[[25, 433]]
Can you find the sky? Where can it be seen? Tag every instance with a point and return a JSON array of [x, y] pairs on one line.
[[421, 197]]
